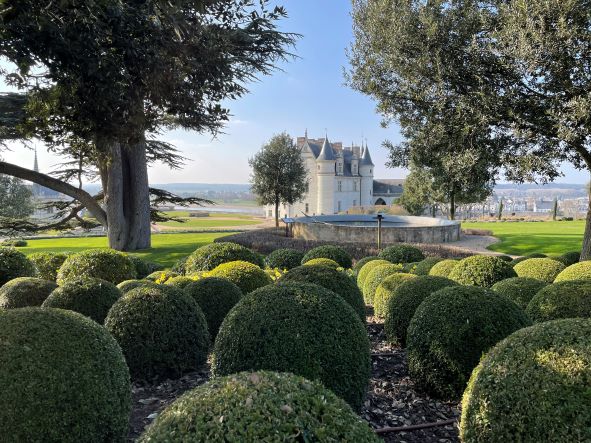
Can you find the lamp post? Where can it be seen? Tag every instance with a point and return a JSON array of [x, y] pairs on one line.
[[379, 218]]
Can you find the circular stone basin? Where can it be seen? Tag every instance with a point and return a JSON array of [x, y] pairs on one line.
[[364, 229]]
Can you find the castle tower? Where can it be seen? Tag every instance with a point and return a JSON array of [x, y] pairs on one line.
[[326, 162], [366, 172]]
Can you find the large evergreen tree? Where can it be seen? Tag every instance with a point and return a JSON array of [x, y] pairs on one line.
[[15, 198]]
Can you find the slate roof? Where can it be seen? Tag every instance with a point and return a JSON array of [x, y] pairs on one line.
[[327, 152]]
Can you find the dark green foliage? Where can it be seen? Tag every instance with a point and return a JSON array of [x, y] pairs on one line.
[[25, 291], [246, 276], [569, 258], [543, 269], [143, 268], [281, 405], [402, 254], [405, 300], [375, 278], [443, 268], [331, 279], [128, 285], [578, 271], [326, 262], [565, 299], [366, 269], [519, 289], [481, 270], [284, 258], [215, 297], [179, 266], [527, 257], [14, 242], [410, 267], [450, 331], [424, 266], [300, 328], [88, 296], [63, 378], [532, 387], [386, 290], [161, 276], [505, 257], [211, 256], [161, 330], [105, 264], [14, 264], [180, 282], [335, 253], [48, 263], [360, 263]]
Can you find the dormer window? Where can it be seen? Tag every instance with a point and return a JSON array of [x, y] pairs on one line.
[[340, 168], [354, 168]]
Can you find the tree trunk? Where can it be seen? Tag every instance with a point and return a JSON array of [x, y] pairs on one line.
[[586, 249], [276, 213], [452, 206]]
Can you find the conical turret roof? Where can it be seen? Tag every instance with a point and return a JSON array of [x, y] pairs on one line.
[[327, 152], [366, 158]]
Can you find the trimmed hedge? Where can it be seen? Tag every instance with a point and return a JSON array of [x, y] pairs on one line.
[[410, 268], [162, 332], [331, 279], [300, 328], [566, 299], [210, 256], [424, 266], [128, 285], [47, 264], [25, 291], [14, 264], [543, 269], [450, 331], [443, 268], [326, 262], [569, 258], [367, 268], [402, 254], [532, 387], [360, 263], [385, 291], [481, 270], [106, 264], [63, 378], [335, 253], [91, 297], [578, 271], [215, 297], [14, 242], [259, 406], [526, 257], [519, 289], [180, 282], [405, 300], [284, 258], [375, 278], [143, 268], [161, 277], [179, 266], [245, 275]]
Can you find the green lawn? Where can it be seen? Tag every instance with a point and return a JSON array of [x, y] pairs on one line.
[[522, 238], [166, 248]]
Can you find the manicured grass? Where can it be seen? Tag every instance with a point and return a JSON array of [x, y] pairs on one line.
[[236, 216], [522, 238], [166, 248], [207, 222]]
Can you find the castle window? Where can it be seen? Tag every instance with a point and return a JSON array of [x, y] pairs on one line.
[[340, 186], [307, 208], [354, 202], [318, 167], [339, 206], [355, 185], [370, 171], [340, 168]]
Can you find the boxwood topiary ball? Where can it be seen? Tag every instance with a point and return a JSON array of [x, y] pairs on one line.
[[162, 332], [360, 263], [526, 257], [284, 258], [424, 266], [567, 299], [367, 268], [128, 285], [300, 328], [569, 258], [210, 256], [215, 297], [481, 270], [180, 282], [326, 262], [25, 291], [143, 268], [63, 378], [259, 406], [443, 268], [402, 254], [14, 264], [106, 264], [532, 387], [386, 289], [161, 277], [543, 269], [578, 271], [519, 289], [450, 331], [47, 264], [88, 296], [246, 276], [331, 279], [332, 252], [405, 300], [375, 277]]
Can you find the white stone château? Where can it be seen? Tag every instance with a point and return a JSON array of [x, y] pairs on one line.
[[339, 178]]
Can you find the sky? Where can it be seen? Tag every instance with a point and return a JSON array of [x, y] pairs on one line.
[[307, 93]]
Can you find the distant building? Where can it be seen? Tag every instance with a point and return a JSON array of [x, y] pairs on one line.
[[41, 192]]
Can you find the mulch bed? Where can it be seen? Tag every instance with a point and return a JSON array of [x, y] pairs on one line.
[[392, 400]]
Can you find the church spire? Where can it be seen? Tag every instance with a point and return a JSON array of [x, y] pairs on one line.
[[36, 162]]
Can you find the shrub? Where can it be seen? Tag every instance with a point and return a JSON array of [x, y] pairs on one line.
[[326, 262], [180, 282], [443, 268], [256, 406], [569, 258], [566, 299], [246, 276], [179, 266], [14, 264], [14, 242], [88, 296], [335, 253], [402, 254], [532, 387], [424, 267], [481, 270], [385, 291], [450, 331], [375, 278], [367, 268], [526, 257], [331, 279], [284, 258], [405, 300], [62, 379], [519, 289], [128, 285], [161, 331], [409, 268], [143, 268], [360, 263], [543, 269], [315, 334], [211, 256], [48, 264], [106, 264], [161, 276], [215, 297], [507, 258], [578, 271], [25, 291]]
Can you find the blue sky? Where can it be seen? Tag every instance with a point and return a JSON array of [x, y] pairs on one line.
[[309, 93]]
